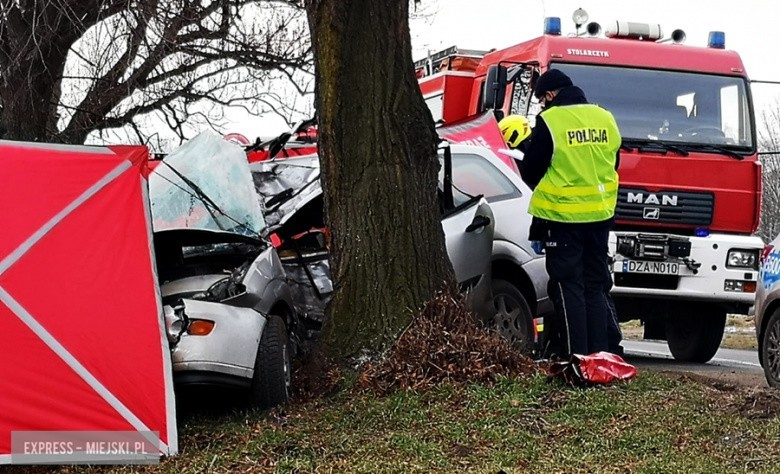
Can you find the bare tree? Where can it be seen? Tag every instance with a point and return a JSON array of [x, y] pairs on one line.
[[769, 143], [377, 149], [72, 67]]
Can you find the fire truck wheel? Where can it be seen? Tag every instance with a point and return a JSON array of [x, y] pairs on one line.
[[694, 331], [513, 315]]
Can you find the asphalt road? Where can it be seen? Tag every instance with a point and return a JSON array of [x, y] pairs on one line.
[[729, 365]]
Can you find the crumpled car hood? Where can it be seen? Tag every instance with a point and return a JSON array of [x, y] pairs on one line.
[[205, 184], [286, 186]]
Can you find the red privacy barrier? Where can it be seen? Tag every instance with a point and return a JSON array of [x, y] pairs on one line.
[[81, 332]]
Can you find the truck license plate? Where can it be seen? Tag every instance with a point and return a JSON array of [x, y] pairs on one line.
[[658, 268]]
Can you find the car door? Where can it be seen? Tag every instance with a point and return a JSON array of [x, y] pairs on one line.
[[474, 172], [468, 226], [468, 233]]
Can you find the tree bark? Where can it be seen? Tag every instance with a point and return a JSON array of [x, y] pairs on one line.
[[377, 147], [26, 106], [34, 44]]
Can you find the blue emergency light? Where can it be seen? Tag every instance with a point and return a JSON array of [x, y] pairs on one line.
[[552, 25], [717, 40], [702, 232]]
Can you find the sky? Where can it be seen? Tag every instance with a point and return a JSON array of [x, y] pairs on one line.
[[750, 27]]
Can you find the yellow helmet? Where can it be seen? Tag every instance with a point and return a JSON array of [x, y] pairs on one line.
[[515, 129]]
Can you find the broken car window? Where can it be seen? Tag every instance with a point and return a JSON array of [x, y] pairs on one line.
[[205, 184]]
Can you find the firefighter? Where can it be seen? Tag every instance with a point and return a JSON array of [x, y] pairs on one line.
[[571, 164], [515, 129]]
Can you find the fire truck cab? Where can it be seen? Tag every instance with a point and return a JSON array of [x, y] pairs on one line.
[[683, 249]]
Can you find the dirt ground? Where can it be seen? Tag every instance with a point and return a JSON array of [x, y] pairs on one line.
[[738, 394], [727, 378]]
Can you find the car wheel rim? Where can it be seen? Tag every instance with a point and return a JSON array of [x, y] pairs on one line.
[[773, 351], [507, 319]]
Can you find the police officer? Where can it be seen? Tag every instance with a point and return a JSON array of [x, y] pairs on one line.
[[571, 164]]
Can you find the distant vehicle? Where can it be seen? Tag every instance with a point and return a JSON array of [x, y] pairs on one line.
[[519, 279], [768, 312]]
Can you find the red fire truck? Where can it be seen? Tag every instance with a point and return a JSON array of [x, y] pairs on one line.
[[690, 180]]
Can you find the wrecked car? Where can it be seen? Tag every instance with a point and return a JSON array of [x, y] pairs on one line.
[[229, 311], [290, 188], [518, 274]]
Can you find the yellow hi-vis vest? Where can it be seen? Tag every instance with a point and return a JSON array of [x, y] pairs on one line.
[[581, 184]]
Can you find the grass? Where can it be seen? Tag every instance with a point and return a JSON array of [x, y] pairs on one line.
[[653, 424]]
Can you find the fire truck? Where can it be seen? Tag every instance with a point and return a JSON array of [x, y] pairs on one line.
[[683, 250]]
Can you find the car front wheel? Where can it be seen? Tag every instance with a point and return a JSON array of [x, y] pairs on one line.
[[770, 350], [273, 371]]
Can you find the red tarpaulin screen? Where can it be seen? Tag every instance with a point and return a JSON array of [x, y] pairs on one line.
[[81, 329], [480, 130]]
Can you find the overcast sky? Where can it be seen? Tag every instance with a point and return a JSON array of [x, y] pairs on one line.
[[750, 27]]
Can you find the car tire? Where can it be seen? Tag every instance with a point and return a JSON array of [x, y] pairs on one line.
[[770, 350], [273, 370], [512, 318], [694, 331]]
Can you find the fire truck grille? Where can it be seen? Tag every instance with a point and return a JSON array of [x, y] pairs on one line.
[[664, 207]]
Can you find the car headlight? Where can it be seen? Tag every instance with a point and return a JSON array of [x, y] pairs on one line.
[[175, 322], [240, 272], [738, 258], [224, 289]]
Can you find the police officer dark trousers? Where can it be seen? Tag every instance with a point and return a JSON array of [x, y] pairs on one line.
[[571, 165]]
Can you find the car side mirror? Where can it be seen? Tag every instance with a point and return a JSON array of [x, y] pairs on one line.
[[494, 89]]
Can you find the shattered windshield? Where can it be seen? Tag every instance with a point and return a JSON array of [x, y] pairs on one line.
[[677, 107], [205, 184]]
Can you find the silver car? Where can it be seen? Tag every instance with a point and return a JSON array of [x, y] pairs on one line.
[[518, 274], [767, 312], [228, 308], [294, 212], [518, 271]]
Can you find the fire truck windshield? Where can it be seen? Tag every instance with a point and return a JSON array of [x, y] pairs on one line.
[[669, 106]]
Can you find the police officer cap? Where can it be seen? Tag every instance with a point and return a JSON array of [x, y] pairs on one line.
[[551, 80]]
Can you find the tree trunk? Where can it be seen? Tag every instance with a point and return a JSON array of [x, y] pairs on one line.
[[34, 43], [377, 147], [27, 106]]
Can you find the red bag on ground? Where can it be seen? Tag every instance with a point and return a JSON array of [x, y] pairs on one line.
[[599, 368]]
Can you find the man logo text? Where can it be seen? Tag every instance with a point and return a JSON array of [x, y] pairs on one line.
[[642, 198]]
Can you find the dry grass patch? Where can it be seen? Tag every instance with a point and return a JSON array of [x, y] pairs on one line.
[[444, 344]]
